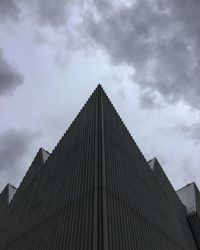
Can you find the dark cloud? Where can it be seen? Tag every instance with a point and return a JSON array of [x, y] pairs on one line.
[[48, 12], [149, 100], [160, 39], [9, 9], [9, 77], [15, 144]]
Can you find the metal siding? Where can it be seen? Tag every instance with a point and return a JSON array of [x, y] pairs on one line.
[[194, 222], [197, 199], [60, 212], [95, 191], [4, 201], [187, 197], [140, 215]]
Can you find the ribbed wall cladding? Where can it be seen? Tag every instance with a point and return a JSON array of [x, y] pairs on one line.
[[194, 222], [96, 192], [5, 198], [140, 212]]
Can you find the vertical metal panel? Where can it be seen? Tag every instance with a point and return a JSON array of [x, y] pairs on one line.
[[59, 215], [187, 197], [141, 215], [5, 198], [194, 222], [95, 192]]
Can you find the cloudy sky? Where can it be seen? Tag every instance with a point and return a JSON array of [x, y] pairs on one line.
[[145, 53]]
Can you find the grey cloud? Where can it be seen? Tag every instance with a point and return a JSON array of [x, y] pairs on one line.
[[192, 131], [49, 11], [53, 13], [9, 9], [190, 173], [149, 100], [10, 79], [195, 133], [160, 39], [14, 147], [103, 7], [46, 12]]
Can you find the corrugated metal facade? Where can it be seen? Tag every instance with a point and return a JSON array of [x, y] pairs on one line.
[[5, 198], [194, 222], [141, 214], [190, 197], [96, 191]]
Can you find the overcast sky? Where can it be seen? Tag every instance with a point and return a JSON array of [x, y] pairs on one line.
[[146, 55]]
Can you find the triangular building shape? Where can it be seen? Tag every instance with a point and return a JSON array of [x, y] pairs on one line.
[[95, 192]]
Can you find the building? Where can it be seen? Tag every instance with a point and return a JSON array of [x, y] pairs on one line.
[[96, 191], [5, 199], [190, 197]]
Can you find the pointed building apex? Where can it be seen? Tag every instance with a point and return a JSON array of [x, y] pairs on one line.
[[45, 154], [8, 191], [152, 162], [99, 87], [96, 192]]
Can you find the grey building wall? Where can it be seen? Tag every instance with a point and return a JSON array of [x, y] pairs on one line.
[[178, 210], [190, 197], [21, 198], [96, 191], [12, 190], [5, 198], [140, 214], [187, 196]]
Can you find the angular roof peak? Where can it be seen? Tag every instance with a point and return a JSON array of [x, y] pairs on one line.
[[45, 153], [99, 85], [152, 162], [95, 191], [100, 88], [8, 192]]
